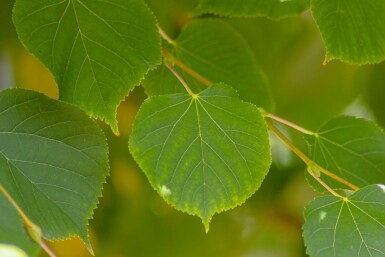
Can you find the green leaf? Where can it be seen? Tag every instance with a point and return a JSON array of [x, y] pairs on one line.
[[353, 30], [220, 54], [204, 153], [53, 161], [352, 148], [12, 230], [98, 50], [11, 251], [353, 226], [274, 9]]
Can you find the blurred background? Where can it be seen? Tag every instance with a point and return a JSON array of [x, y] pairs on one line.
[[133, 221]]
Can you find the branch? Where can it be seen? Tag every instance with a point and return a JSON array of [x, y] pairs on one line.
[[307, 160], [187, 69]]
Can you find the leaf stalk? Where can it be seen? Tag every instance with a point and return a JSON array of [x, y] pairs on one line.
[[308, 161], [29, 225]]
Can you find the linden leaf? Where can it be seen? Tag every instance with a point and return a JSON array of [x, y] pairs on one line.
[[53, 162], [217, 52], [204, 153], [351, 148], [98, 50], [353, 226], [353, 30]]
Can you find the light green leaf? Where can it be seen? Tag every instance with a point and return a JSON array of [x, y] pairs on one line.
[[12, 232], [11, 251], [353, 30], [53, 161], [217, 52], [353, 226], [274, 9], [352, 148], [98, 50], [205, 153]]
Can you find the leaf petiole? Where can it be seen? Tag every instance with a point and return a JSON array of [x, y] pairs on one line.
[[165, 36], [181, 80], [33, 230], [166, 54], [290, 124], [307, 160]]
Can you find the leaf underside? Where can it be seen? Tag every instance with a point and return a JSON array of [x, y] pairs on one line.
[[353, 31], [53, 161], [204, 155], [98, 50], [347, 227], [352, 148]]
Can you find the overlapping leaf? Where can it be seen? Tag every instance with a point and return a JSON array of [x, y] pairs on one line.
[[353, 226], [352, 148], [353, 30], [12, 230], [274, 9], [98, 50], [53, 161], [204, 153], [215, 51]]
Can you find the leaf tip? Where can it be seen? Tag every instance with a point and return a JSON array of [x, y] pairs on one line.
[[89, 246], [206, 222], [207, 226]]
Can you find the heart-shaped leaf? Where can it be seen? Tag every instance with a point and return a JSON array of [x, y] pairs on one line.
[[353, 226], [203, 153]]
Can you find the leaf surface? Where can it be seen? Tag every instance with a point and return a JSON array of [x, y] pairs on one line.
[[53, 161], [215, 51], [352, 148], [12, 230], [354, 226], [274, 9], [203, 154], [98, 50], [353, 31]]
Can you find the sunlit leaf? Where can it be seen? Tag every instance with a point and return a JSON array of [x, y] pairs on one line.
[[53, 161], [98, 50], [353, 226], [215, 51], [352, 148], [204, 154], [353, 30], [13, 237], [274, 9]]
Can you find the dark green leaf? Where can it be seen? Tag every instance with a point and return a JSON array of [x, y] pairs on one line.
[[217, 52], [53, 161], [346, 227], [352, 148], [274, 9], [12, 230], [205, 153], [98, 50], [353, 30]]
